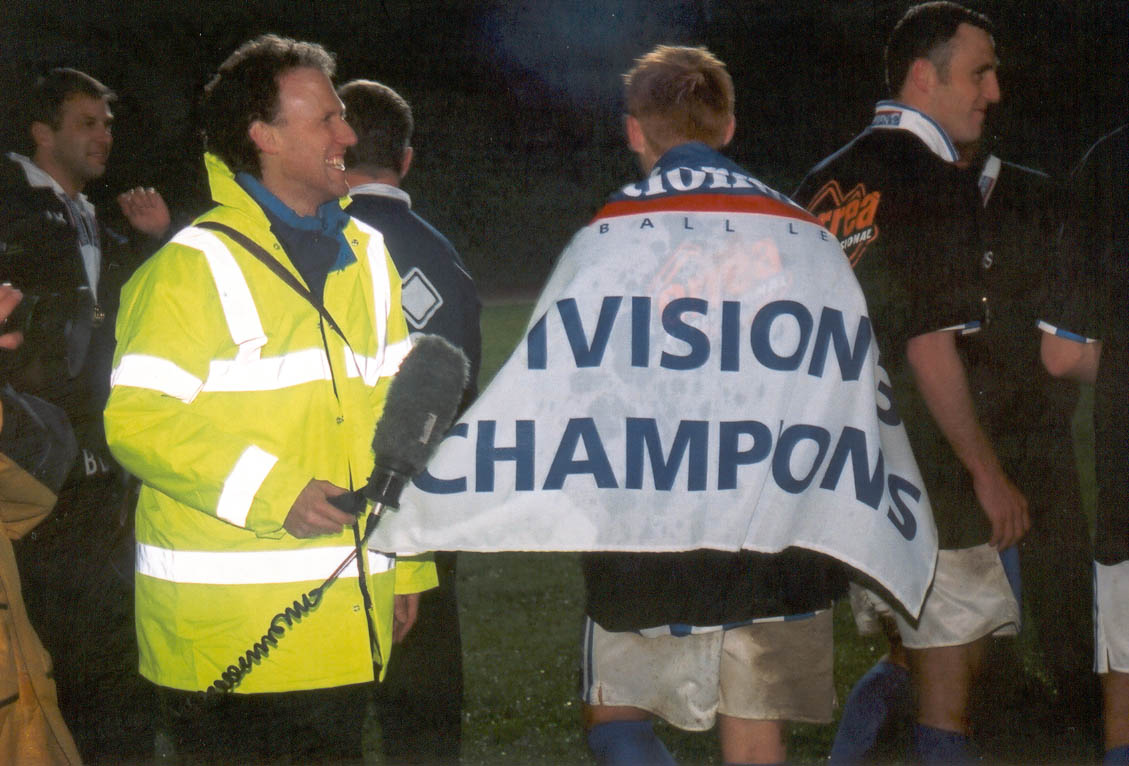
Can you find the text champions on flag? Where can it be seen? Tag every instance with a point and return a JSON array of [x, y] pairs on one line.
[[801, 455], [699, 372]]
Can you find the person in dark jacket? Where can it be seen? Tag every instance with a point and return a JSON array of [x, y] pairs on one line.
[[1086, 337], [908, 220], [70, 266], [419, 705]]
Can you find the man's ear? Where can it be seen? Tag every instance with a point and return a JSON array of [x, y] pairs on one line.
[[635, 138], [42, 134], [406, 161], [730, 130], [923, 76], [263, 136]]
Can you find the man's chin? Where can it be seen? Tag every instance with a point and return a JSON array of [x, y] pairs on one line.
[[968, 137]]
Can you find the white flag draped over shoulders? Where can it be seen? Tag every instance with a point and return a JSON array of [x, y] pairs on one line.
[[699, 372]]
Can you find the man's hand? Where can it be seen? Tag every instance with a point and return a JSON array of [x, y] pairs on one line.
[[943, 384], [1005, 506], [405, 609], [10, 297], [146, 211], [313, 515]]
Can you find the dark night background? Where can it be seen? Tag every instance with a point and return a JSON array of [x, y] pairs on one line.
[[517, 103]]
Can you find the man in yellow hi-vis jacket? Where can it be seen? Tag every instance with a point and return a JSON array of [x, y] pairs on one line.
[[244, 409]]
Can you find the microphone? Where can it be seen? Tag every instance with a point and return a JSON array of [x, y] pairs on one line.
[[421, 405]]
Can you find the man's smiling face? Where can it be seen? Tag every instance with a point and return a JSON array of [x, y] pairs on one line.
[[303, 149]]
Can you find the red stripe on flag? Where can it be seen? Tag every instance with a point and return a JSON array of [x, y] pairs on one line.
[[705, 203]]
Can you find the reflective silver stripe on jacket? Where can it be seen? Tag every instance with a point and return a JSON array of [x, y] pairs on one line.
[[250, 567], [235, 296], [157, 374], [388, 357], [242, 484]]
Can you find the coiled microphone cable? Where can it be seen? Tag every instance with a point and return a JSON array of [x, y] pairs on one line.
[[419, 409]]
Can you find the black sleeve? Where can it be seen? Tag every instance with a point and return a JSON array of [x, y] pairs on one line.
[[1077, 303], [939, 270]]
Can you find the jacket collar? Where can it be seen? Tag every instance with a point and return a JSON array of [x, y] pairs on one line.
[[226, 191], [38, 178], [891, 115], [377, 189]]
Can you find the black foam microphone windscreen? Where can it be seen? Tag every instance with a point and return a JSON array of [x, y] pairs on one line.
[[420, 406]]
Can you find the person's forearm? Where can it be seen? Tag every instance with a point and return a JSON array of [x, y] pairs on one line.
[[943, 384]]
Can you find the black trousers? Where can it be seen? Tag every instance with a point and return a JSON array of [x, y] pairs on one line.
[[419, 703], [319, 726]]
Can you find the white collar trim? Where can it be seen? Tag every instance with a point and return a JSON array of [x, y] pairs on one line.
[[39, 178], [890, 115], [382, 190]]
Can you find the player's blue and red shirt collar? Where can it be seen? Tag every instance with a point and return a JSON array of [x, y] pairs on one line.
[[695, 168], [692, 177]]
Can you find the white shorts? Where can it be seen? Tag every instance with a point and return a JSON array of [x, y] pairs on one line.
[[1111, 617], [969, 598], [772, 670], [870, 611]]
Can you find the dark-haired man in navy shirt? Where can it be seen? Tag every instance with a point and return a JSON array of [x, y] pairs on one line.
[[420, 702]]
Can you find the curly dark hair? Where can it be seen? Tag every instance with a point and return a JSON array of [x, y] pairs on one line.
[[245, 89]]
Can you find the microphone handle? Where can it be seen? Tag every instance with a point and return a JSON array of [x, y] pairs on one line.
[[384, 487], [370, 527], [350, 502]]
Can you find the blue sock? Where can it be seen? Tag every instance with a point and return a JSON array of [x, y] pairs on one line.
[[1118, 756], [1009, 557], [880, 696], [627, 743], [941, 747]]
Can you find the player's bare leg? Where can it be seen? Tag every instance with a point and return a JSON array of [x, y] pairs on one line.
[[942, 678], [1115, 691], [597, 714], [744, 740]]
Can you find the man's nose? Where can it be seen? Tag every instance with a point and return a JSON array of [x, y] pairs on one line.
[[345, 134], [991, 88]]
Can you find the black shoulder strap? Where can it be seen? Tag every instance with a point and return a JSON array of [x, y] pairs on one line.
[[257, 250]]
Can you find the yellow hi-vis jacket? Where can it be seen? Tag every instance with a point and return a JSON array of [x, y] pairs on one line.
[[229, 394]]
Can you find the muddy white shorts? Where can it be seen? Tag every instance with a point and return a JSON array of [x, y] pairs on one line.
[[769, 670]]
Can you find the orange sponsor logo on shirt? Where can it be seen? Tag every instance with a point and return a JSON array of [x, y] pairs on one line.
[[850, 217]]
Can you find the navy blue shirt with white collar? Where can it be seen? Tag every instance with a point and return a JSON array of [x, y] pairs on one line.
[[438, 294]]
